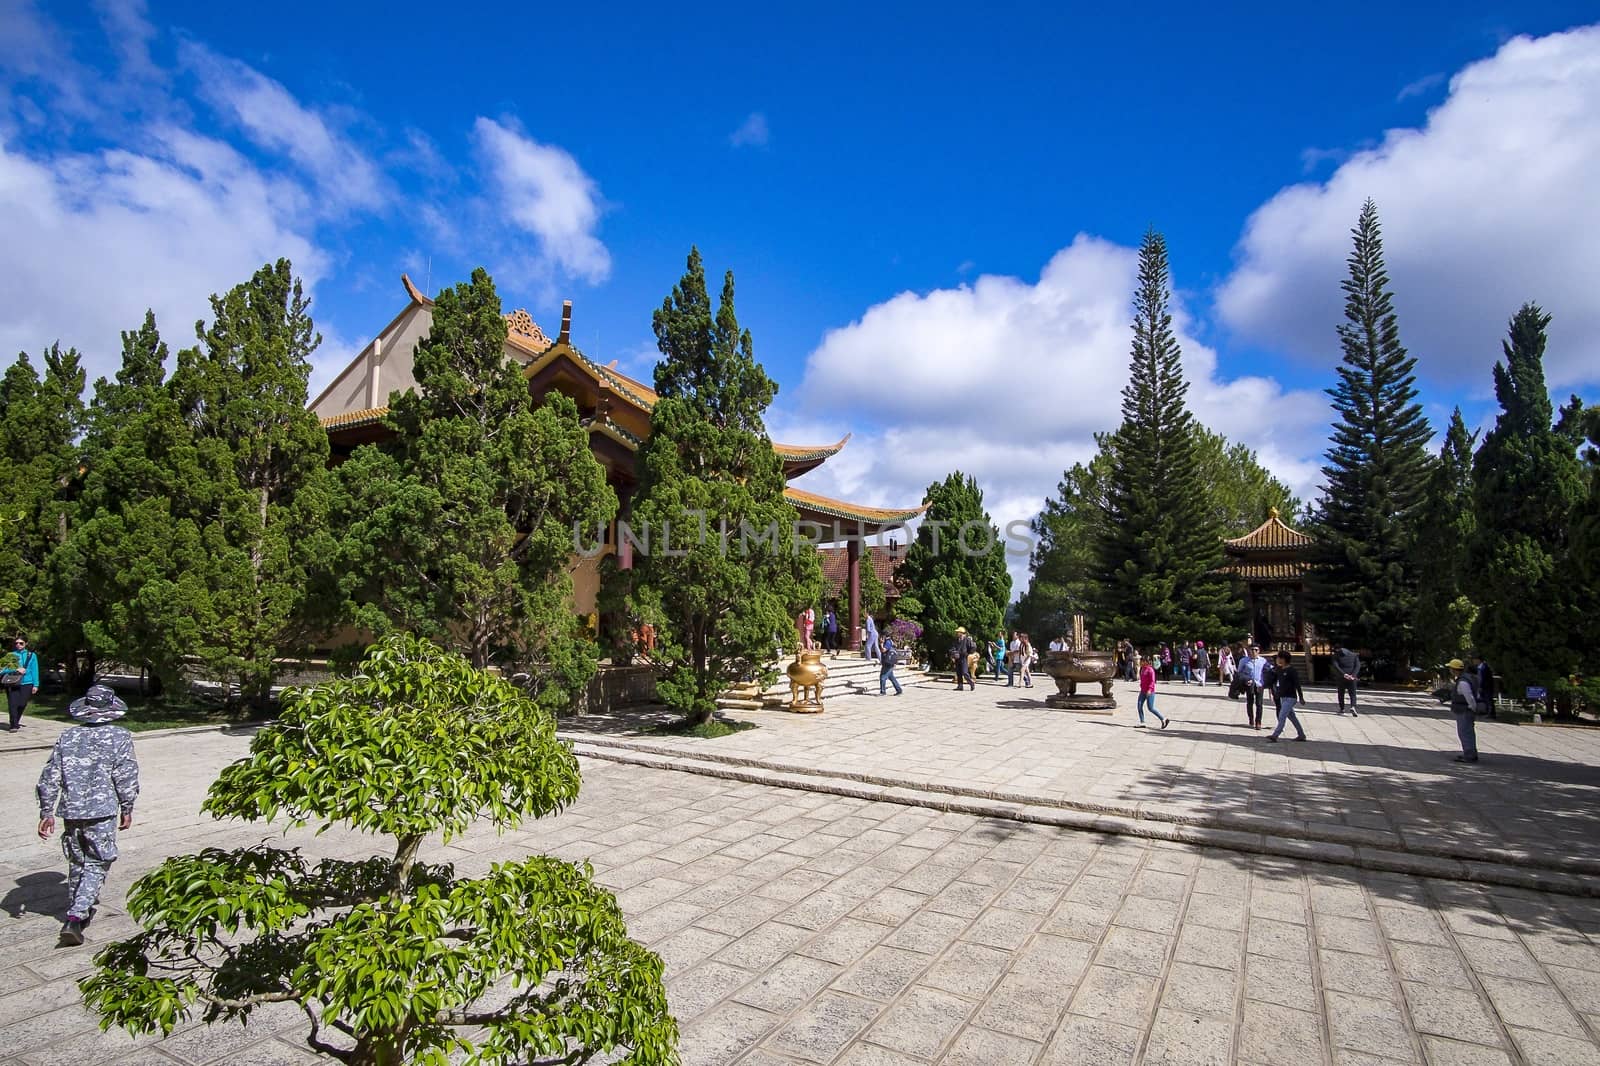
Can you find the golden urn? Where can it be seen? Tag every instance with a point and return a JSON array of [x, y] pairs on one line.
[[806, 675]]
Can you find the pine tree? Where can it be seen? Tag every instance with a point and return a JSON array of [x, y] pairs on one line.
[[1585, 554], [1364, 584], [129, 578], [263, 458], [1445, 528], [40, 420], [460, 528], [956, 567], [1527, 485], [723, 574], [1158, 544]]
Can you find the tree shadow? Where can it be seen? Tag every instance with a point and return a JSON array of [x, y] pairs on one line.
[[40, 893]]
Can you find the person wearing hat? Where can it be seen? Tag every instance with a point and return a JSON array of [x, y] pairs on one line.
[[960, 650], [1463, 701], [91, 782]]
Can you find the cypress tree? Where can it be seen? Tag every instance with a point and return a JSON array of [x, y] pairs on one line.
[[1364, 584], [1445, 609], [460, 528], [956, 567], [1527, 484], [1158, 544], [724, 573], [263, 457]]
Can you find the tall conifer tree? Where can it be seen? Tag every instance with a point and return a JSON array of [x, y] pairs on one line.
[[1364, 585], [956, 567], [1158, 543], [722, 576], [1527, 483], [461, 527], [1445, 609]]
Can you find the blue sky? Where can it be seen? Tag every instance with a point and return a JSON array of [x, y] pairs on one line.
[[930, 210]]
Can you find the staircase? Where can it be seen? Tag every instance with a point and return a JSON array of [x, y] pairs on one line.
[[848, 675]]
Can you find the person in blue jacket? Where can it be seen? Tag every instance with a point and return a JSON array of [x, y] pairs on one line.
[[21, 680]]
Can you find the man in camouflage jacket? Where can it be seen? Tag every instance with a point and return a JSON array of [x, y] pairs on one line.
[[91, 782]]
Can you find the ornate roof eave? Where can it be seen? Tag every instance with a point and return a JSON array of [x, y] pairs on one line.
[[1271, 535], [877, 516], [803, 452]]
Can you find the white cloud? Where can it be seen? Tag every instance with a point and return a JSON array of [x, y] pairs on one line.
[[274, 120], [1420, 86], [1009, 381], [1489, 204], [544, 191], [111, 233], [752, 132], [129, 31]]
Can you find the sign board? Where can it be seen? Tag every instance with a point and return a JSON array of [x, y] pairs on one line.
[[1536, 692]]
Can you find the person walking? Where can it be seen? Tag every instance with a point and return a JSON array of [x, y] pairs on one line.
[[21, 682], [997, 657], [1185, 656], [961, 651], [1225, 666], [1202, 662], [91, 782], [1147, 693], [870, 647], [1024, 664], [1346, 668], [1166, 662], [1483, 678], [1463, 702], [1014, 658], [1286, 687], [888, 655], [803, 624], [1252, 671]]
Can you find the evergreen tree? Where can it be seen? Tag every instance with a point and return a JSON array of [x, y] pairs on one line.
[[1364, 583], [1158, 544], [1585, 552], [130, 574], [1527, 484], [263, 457], [1238, 491], [461, 527], [1445, 528], [874, 597], [956, 568], [40, 420], [723, 573]]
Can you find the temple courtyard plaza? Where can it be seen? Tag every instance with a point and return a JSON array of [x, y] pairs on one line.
[[919, 879]]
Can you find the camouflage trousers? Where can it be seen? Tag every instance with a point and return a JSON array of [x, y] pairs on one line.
[[91, 847]]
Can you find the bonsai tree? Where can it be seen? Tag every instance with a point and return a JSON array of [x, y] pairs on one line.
[[394, 960]]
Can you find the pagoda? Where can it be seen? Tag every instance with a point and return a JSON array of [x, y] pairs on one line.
[[1271, 563], [614, 408]]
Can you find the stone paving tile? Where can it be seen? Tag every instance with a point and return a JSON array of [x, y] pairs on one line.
[[1025, 944]]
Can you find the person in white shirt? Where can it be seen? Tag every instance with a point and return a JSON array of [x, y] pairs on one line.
[[1058, 645], [1463, 701]]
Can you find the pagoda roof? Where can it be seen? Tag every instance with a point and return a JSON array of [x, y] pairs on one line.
[[1267, 572], [826, 507], [1271, 535]]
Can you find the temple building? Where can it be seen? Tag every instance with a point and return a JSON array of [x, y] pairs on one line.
[[1271, 562], [613, 407]]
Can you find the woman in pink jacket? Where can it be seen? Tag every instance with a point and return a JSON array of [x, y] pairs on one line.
[[1147, 692]]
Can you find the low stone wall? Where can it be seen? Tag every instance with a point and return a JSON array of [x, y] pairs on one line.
[[617, 686]]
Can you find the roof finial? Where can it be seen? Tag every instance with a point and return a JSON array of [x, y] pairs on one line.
[[566, 323], [1272, 512]]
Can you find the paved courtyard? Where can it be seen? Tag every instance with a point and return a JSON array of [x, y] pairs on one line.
[[801, 927], [1385, 779]]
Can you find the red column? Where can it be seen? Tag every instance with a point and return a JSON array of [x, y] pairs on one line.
[[853, 554]]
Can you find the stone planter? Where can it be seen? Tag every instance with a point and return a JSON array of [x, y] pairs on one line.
[[1073, 668], [806, 675]]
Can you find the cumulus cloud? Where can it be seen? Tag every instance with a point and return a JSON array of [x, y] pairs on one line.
[[544, 191], [1489, 204], [273, 119], [752, 132], [1009, 380]]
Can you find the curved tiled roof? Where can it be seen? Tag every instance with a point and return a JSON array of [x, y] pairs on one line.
[[1266, 571], [350, 419], [810, 451], [1271, 535], [853, 511]]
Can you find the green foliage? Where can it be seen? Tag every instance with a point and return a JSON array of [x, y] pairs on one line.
[[1364, 584], [410, 962], [874, 597], [260, 505], [1157, 541], [1527, 486], [1445, 528], [957, 568], [723, 572], [40, 419], [460, 527], [129, 577], [1585, 554]]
